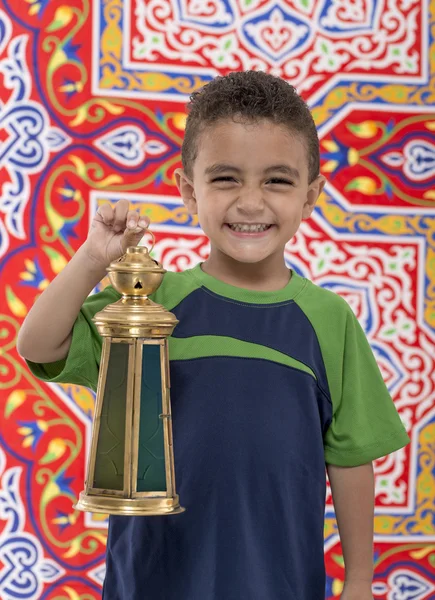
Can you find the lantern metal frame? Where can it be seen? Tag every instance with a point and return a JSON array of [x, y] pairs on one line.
[[137, 321]]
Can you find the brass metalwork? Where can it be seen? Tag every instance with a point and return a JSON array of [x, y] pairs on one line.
[[137, 321]]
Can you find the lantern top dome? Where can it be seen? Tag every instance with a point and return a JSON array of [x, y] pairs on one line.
[[136, 273]]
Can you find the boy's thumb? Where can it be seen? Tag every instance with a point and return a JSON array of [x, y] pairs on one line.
[[132, 237]]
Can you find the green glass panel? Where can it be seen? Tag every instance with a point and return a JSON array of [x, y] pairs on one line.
[[109, 462], [151, 476]]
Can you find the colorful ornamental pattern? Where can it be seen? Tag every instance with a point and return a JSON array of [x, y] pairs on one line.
[[92, 110]]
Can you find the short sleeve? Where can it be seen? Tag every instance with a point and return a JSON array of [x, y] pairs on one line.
[[81, 365], [365, 423]]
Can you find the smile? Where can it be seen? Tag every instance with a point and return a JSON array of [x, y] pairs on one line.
[[248, 228]]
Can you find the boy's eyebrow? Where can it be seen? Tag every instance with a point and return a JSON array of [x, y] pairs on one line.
[[290, 171], [218, 168]]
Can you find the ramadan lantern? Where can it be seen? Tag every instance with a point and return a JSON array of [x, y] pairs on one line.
[[131, 462]]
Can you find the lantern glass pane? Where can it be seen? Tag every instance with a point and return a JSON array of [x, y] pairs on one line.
[[109, 460], [151, 475]]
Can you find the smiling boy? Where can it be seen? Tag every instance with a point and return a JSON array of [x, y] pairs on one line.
[[272, 377]]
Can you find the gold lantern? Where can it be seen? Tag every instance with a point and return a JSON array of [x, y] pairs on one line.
[[131, 463]]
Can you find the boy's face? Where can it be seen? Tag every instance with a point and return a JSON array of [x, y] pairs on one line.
[[248, 175]]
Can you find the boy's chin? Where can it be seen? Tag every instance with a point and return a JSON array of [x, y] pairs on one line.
[[251, 255], [249, 258]]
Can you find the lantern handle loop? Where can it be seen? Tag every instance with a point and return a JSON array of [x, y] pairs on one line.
[[153, 242]]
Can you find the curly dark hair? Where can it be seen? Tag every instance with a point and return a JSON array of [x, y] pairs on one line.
[[249, 96]]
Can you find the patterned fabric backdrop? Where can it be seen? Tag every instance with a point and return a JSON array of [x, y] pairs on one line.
[[92, 110]]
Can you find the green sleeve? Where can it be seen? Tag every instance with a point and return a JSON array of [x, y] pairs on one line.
[[365, 423], [82, 362]]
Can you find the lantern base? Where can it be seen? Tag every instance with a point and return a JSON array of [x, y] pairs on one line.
[[133, 507]]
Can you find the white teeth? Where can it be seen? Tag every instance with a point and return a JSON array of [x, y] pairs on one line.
[[248, 228]]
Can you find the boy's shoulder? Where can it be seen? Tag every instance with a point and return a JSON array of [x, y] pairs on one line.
[[319, 299], [330, 316]]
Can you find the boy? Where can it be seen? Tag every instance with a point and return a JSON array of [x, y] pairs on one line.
[[272, 376]]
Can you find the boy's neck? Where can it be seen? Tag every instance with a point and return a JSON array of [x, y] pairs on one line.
[[262, 277]]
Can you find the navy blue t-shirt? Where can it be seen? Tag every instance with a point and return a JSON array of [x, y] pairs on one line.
[[265, 387]]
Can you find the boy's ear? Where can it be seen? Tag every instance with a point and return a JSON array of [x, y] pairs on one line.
[[185, 186], [314, 191]]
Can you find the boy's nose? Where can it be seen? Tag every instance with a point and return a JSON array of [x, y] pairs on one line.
[[250, 201]]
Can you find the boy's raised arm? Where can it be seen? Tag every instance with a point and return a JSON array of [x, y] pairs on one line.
[[46, 333]]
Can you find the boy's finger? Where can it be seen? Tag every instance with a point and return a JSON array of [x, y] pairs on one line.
[[121, 211], [105, 214], [144, 222], [132, 237], [132, 219], [137, 228], [137, 222]]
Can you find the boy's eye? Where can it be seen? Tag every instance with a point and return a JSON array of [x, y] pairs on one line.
[[280, 181], [274, 180]]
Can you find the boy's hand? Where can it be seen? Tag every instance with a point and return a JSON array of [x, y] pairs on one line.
[[357, 590], [112, 231]]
